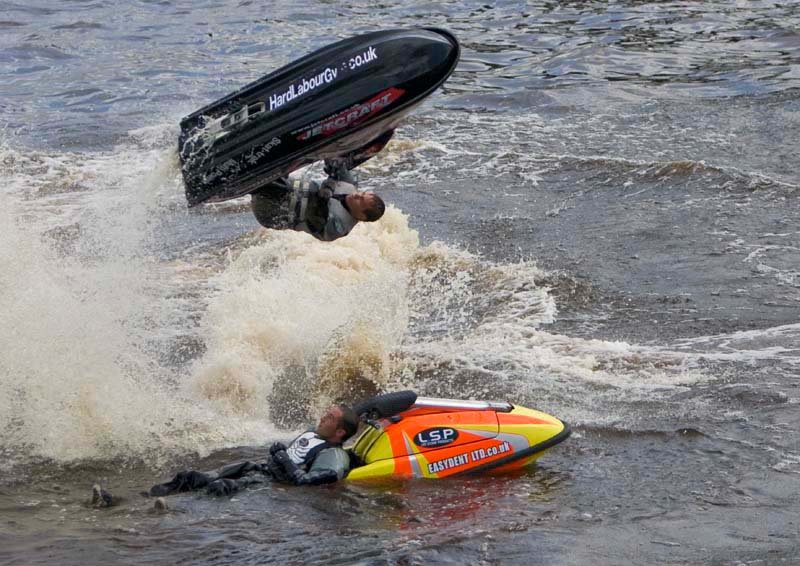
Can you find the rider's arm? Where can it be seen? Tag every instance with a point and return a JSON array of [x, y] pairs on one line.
[[322, 216], [314, 213], [335, 228], [339, 221], [329, 466]]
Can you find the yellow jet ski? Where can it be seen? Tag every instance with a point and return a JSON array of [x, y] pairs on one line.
[[404, 436]]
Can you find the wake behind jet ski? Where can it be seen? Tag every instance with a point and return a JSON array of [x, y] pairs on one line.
[[339, 104]]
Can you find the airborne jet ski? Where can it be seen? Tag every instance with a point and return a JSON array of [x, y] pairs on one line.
[[327, 105], [405, 436]]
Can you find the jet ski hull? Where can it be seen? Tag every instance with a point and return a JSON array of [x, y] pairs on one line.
[[438, 438], [328, 104]]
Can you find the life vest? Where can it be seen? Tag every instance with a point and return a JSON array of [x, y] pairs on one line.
[[338, 223], [304, 449]]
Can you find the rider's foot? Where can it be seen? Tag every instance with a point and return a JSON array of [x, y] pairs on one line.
[[101, 497]]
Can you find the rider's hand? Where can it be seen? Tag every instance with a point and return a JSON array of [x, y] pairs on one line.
[[326, 189], [282, 458], [291, 472], [276, 447]]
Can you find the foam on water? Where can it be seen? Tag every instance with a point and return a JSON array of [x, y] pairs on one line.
[[70, 374], [286, 300], [93, 299], [749, 346], [524, 145], [78, 318]]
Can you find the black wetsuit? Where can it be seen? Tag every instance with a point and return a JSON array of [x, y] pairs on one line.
[[309, 460]]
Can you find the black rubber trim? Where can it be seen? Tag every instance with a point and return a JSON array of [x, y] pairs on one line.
[[385, 405], [549, 443]]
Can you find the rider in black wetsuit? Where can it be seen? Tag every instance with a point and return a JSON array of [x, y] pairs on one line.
[[315, 457]]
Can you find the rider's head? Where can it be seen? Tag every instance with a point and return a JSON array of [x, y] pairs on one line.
[[338, 424], [365, 207]]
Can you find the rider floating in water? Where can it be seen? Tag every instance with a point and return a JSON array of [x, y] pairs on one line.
[[315, 457]]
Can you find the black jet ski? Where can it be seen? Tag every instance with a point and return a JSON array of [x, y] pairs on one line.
[[327, 105]]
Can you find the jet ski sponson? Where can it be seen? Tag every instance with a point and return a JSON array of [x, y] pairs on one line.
[[325, 105]]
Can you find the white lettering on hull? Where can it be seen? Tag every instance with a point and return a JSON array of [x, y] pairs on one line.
[[300, 88], [368, 56]]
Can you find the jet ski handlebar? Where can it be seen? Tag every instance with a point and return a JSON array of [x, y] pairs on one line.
[[386, 405], [390, 404]]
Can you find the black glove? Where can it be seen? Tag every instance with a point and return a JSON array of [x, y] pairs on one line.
[[326, 189], [222, 487], [297, 476], [276, 447], [277, 472], [290, 469]]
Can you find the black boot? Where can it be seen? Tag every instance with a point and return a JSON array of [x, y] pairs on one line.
[[101, 497], [183, 481]]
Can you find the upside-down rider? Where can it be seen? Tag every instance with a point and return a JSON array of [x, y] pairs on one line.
[[327, 210]]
